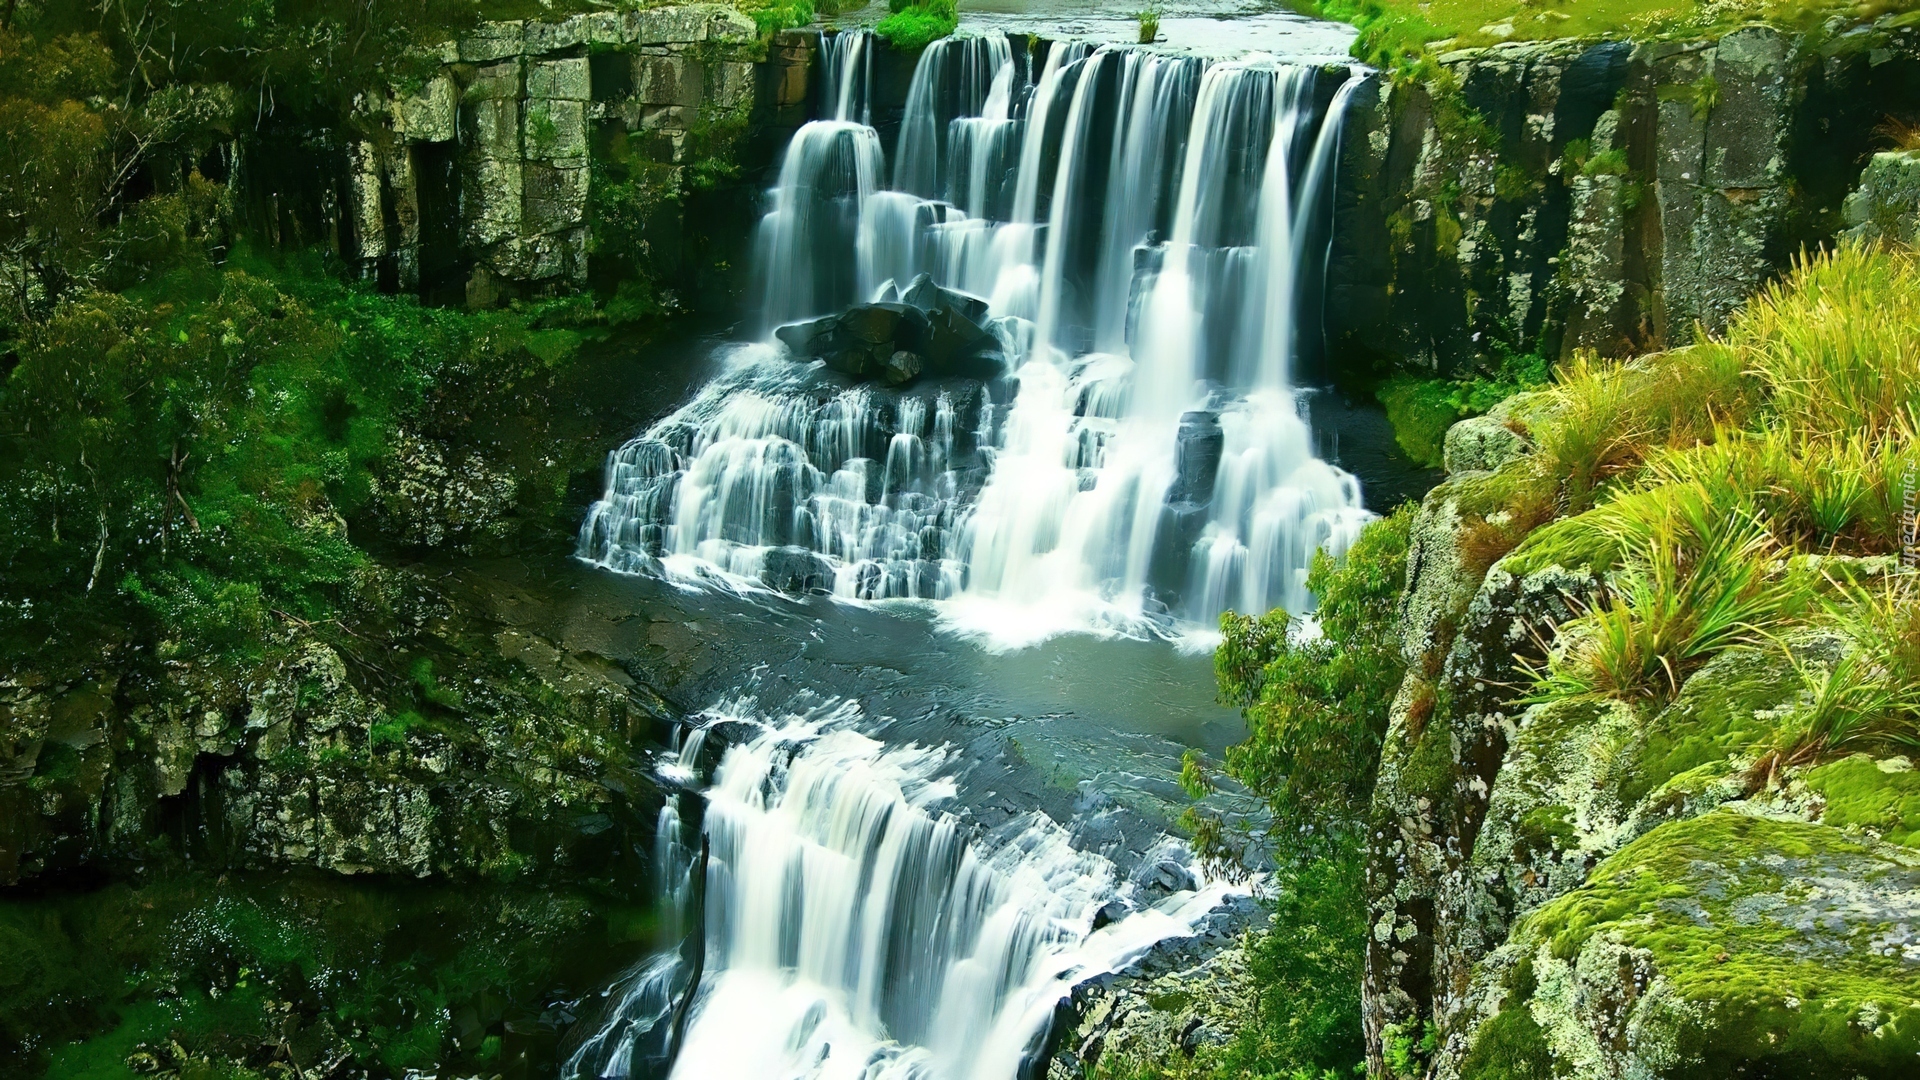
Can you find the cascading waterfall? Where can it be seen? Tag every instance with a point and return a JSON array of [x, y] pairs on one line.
[[854, 929], [1141, 225]]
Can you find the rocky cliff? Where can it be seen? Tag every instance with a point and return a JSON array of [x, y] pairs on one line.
[[1551, 196], [478, 179], [1626, 884]]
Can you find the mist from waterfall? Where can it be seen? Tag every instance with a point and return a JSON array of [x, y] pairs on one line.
[[1142, 225]]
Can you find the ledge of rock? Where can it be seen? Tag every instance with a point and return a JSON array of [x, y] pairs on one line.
[[922, 330]]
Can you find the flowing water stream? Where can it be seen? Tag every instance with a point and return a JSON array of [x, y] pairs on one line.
[[1143, 226]]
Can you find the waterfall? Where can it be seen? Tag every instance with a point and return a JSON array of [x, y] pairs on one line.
[[846, 69], [1142, 226], [853, 927]]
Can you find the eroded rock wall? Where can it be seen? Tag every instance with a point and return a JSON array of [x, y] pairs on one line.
[[476, 182], [1615, 196]]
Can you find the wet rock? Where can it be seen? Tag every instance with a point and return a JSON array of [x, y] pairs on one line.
[[893, 343], [1162, 874], [872, 324], [1198, 447], [796, 570], [1183, 993], [955, 341], [902, 368], [922, 293]]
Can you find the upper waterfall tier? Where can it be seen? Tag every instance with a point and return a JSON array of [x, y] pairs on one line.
[[1148, 230]]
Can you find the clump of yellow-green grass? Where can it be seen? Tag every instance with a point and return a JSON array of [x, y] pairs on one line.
[[1696, 481], [1395, 33]]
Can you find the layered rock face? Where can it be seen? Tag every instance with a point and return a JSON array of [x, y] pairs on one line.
[[478, 178], [1560, 195], [530, 760]]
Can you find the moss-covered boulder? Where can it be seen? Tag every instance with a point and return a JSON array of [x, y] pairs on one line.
[[1730, 944]]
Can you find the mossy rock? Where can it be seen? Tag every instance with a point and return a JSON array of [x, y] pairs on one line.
[[1555, 807], [1725, 945], [1880, 795], [1724, 711]]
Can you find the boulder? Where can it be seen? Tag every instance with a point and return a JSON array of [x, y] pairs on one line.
[[1197, 452], [872, 324], [938, 330], [796, 571], [902, 367], [922, 293], [954, 340], [800, 337]]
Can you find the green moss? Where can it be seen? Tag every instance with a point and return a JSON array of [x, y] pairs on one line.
[[1570, 543], [1714, 717], [1770, 930], [1421, 411], [1428, 769], [1511, 1046], [1859, 792]]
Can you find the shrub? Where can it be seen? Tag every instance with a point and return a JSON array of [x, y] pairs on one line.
[[1421, 410], [1149, 25], [772, 16], [912, 27], [1868, 698], [1316, 697]]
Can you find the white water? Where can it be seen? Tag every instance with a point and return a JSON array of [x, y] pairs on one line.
[[1140, 224], [854, 929]]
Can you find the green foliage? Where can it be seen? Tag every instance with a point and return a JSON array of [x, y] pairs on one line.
[[1316, 704], [912, 27], [1149, 19], [773, 17], [1308, 967], [1837, 342], [198, 447], [1868, 698], [627, 191], [241, 973], [714, 141], [1316, 700], [1404, 35], [1697, 581], [1421, 410]]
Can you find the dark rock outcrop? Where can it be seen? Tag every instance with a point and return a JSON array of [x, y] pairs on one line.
[[1548, 196], [928, 331]]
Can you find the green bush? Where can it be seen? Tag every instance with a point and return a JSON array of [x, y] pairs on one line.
[[1421, 410], [772, 17], [199, 445], [1316, 704], [912, 27]]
